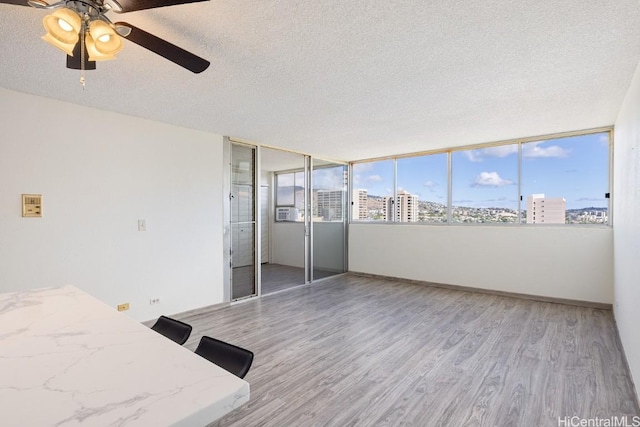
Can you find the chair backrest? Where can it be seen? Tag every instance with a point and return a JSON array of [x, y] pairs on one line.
[[234, 359], [173, 329]]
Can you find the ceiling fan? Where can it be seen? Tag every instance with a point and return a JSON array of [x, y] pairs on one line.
[[82, 30]]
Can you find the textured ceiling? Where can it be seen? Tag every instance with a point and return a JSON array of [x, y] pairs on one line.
[[355, 79]]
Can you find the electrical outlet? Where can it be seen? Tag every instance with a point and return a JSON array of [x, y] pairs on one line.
[[142, 225], [154, 301], [123, 307]]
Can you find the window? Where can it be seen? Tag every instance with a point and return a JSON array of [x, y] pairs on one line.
[[485, 185], [373, 191], [329, 192], [563, 180], [290, 193], [568, 177], [422, 189]]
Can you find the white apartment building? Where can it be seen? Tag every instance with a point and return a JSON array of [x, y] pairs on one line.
[[360, 207], [329, 204], [406, 209], [545, 210]]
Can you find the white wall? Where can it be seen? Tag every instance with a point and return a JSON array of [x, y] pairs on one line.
[[561, 262], [627, 225], [100, 172]]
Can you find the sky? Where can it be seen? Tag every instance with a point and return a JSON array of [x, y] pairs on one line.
[[575, 168], [325, 177]]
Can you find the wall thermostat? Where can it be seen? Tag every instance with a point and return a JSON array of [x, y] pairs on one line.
[[32, 205]]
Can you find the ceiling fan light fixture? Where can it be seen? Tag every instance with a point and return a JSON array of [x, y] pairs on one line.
[[79, 26], [65, 47], [63, 25], [104, 39], [95, 54]]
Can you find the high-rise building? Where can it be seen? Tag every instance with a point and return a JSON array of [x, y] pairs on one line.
[[545, 210], [406, 209], [387, 209], [329, 204], [359, 206]]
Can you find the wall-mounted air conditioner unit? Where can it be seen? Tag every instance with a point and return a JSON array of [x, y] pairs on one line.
[[286, 214]]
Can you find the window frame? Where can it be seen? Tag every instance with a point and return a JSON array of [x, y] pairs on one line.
[[519, 142], [275, 178], [276, 204]]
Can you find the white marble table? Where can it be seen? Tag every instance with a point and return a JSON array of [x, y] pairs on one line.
[[67, 359]]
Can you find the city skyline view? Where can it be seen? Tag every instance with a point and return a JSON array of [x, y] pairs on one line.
[[572, 172], [574, 168]]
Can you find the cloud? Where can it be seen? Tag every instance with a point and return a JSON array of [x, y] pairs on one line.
[[431, 186], [328, 178], [362, 167], [285, 180], [501, 151], [490, 179], [529, 150], [473, 155], [533, 150], [374, 178], [462, 201], [497, 152], [360, 171], [590, 199]]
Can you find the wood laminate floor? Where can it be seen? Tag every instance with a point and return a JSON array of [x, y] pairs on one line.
[[275, 278], [356, 351]]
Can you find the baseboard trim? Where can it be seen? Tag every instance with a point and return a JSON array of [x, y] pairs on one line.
[[207, 308], [189, 313], [579, 303]]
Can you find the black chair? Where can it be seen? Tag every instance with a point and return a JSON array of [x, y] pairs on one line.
[[236, 360], [173, 329]]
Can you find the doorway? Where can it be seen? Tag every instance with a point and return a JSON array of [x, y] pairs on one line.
[[284, 173], [286, 220]]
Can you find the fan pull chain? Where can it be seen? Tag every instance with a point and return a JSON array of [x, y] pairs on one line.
[[82, 56]]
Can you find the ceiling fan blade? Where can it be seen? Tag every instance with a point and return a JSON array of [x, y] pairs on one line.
[[163, 48], [16, 2], [75, 62], [121, 6]]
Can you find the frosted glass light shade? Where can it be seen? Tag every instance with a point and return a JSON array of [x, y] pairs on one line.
[[104, 39], [62, 27], [94, 54]]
